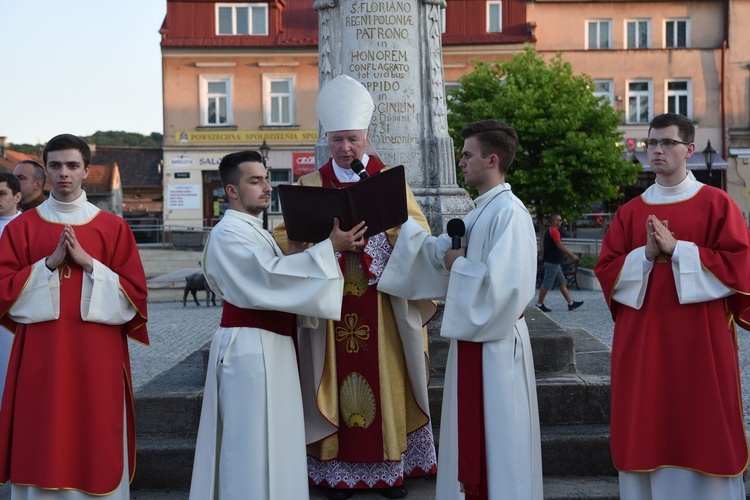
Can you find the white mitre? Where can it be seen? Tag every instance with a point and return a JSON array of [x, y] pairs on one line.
[[344, 104]]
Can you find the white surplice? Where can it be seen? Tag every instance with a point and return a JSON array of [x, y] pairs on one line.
[[485, 294], [251, 439]]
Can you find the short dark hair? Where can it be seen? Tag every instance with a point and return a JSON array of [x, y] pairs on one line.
[[229, 171], [38, 174], [494, 137], [13, 183], [685, 126], [68, 141]]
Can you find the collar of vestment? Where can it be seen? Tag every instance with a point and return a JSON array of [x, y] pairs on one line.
[[79, 211], [670, 194], [347, 174], [255, 221], [486, 197]]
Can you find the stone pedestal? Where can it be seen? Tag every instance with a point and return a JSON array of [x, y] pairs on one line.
[[394, 48]]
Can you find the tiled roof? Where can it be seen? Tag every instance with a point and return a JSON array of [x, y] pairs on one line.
[[185, 26], [102, 179], [12, 158], [138, 167]]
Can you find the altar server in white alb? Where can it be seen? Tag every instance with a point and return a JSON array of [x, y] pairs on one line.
[[251, 439], [489, 436]]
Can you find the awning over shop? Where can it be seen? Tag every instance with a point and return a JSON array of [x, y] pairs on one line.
[[695, 162]]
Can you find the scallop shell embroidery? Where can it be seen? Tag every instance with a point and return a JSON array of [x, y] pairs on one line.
[[355, 281], [356, 401]]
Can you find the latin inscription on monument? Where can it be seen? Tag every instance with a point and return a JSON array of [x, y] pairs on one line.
[[384, 55]]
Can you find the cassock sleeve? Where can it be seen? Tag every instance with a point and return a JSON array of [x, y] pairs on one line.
[[416, 268], [39, 300], [248, 275], [97, 305], [621, 267], [486, 299]]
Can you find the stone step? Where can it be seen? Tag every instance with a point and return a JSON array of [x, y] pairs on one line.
[[171, 403], [163, 462], [166, 461], [573, 399], [555, 488], [576, 450], [581, 488]]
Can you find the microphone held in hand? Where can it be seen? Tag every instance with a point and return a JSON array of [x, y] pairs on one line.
[[456, 230], [359, 169]]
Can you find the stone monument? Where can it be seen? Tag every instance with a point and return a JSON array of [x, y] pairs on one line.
[[394, 48]]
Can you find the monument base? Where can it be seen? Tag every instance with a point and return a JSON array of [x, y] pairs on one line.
[[440, 205]]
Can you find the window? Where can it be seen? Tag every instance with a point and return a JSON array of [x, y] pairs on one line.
[[677, 33], [679, 97], [599, 35], [494, 17], [639, 101], [242, 19], [278, 99], [442, 18], [639, 33], [605, 88], [215, 99], [278, 176]]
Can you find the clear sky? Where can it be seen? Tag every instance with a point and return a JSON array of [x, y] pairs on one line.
[[79, 66]]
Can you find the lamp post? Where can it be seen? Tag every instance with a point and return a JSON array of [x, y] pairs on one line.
[[264, 149], [709, 154]]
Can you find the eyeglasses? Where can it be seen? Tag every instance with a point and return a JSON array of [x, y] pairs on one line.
[[665, 143]]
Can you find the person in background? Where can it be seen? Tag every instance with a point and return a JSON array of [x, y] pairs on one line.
[[32, 178], [675, 271], [554, 251], [10, 197]]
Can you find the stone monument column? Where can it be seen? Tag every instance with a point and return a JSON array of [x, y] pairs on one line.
[[394, 48]]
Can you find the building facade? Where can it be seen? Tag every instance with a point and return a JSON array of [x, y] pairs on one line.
[[238, 75]]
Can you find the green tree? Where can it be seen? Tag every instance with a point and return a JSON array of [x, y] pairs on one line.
[[568, 157], [100, 138], [119, 138]]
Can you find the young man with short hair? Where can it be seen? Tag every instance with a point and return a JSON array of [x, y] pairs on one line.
[[674, 268], [251, 439], [490, 445], [72, 290], [10, 197]]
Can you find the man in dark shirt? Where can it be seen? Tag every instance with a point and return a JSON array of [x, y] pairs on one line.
[[554, 251], [32, 178]]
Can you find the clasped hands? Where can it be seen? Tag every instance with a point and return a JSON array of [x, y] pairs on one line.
[[658, 238], [343, 241], [69, 246]]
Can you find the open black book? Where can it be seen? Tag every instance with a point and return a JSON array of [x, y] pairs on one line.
[[379, 200]]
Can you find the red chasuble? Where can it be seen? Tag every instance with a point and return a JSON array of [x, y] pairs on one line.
[[61, 424], [676, 397]]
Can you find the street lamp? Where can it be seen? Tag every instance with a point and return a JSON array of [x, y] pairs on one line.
[[264, 149], [709, 154]]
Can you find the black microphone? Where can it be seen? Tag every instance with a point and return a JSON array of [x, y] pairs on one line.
[[359, 169], [456, 230]]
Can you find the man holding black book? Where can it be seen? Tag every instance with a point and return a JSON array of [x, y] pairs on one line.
[[364, 378], [251, 437], [490, 445]]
